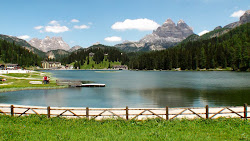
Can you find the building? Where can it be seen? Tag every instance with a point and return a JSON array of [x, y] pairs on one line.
[[68, 66], [91, 54], [51, 65], [12, 67], [120, 67]]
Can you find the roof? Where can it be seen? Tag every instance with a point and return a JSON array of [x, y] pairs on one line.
[[11, 64]]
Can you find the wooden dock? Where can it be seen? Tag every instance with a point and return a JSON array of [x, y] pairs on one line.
[[92, 85], [77, 83]]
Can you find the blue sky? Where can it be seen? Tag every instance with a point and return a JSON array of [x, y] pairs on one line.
[[85, 22]]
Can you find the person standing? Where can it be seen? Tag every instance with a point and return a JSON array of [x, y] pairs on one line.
[[45, 79]]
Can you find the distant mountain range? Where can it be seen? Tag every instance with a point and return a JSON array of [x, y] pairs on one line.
[[53, 48], [48, 44], [169, 35], [165, 36]]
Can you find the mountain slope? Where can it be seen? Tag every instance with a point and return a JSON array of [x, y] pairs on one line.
[[231, 49], [13, 53], [218, 31], [22, 43]]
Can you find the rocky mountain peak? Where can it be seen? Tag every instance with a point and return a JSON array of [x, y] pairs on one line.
[[218, 27], [169, 22], [180, 22], [48, 43], [74, 48], [245, 18], [167, 35]]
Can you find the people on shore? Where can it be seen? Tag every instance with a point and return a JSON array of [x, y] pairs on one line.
[[45, 80]]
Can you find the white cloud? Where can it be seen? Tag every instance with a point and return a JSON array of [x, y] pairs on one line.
[[54, 22], [24, 37], [237, 14], [38, 27], [203, 32], [53, 27], [74, 21], [81, 26], [113, 39], [56, 29], [138, 24]]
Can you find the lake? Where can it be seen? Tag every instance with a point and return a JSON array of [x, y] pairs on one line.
[[141, 89]]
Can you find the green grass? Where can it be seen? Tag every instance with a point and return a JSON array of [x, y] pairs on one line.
[[42, 128], [23, 84]]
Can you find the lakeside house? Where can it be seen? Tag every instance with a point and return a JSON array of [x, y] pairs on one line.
[[12, 67], [51, 65], [120, 67], [68, 66], [91, 54]]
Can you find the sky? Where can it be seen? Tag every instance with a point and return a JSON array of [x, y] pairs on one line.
[[109, 22]]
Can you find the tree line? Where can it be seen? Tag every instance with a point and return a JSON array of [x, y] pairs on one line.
[[82, 56], [12, 53], [229, 50]]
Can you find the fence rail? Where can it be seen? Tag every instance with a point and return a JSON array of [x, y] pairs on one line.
[[128, 113]]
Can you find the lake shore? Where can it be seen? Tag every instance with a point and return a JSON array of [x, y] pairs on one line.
[[21, 80]]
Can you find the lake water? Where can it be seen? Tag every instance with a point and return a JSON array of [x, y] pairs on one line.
[[141, 89]]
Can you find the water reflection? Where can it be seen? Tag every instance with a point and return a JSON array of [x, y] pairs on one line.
[[142, 89]]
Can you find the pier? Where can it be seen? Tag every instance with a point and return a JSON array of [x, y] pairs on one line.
[[77, 83]]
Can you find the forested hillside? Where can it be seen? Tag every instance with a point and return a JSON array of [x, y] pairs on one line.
[[82, 56], [12, 53], [229, 50]]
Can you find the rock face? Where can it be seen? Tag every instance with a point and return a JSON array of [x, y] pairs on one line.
[[167, 35], [74, 48], [48, 44], [218, 27], [243, 19]]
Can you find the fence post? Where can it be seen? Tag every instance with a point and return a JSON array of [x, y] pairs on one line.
[[48, 111], [167, 113], [207, 112], [245, 111], [87, 112], [126, 112], [12, 110]]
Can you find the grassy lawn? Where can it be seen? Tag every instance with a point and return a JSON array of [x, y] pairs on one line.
[[18, 81], [42, 128]]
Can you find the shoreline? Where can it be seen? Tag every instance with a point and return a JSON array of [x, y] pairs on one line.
[[30, 88], [20, 87]]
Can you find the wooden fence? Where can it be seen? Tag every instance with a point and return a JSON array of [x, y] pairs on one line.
[[128, 113]]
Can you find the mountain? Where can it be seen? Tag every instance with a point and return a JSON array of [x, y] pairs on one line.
[[17, 41], [48, 44], [218, 31], [165, 36], [245, 18], [228, 51], [57, 54], [74, 48], [13, 53], [22, 43]]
